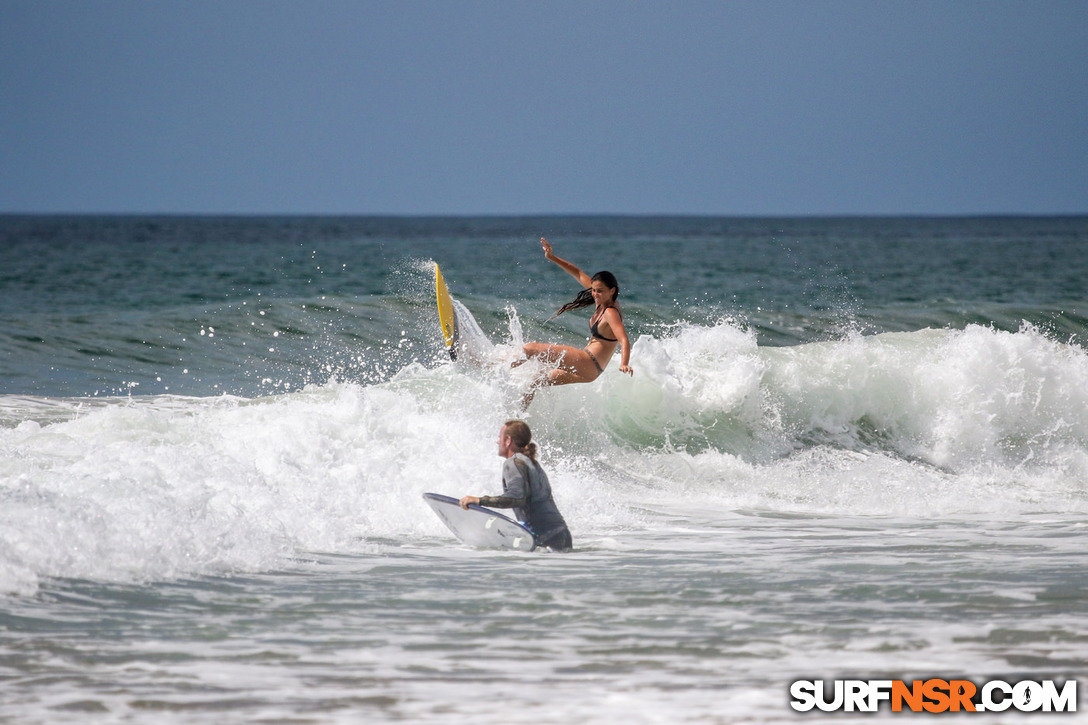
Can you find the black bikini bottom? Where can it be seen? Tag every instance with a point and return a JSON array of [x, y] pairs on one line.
[[600, 370]]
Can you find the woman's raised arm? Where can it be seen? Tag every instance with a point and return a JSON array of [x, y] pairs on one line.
[[571, 269]]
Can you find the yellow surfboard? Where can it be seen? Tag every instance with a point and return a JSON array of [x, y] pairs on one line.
[[446, 317]]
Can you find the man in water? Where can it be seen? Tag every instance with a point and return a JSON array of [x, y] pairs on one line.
[[525, 489]]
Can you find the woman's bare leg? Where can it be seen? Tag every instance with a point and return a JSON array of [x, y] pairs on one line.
[[574, 366]]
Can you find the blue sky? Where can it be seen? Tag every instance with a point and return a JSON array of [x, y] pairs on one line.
[[508, 107]]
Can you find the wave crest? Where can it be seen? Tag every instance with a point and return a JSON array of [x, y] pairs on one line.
[[955, 399]]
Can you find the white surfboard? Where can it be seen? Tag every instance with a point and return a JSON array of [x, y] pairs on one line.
[[480, 527]]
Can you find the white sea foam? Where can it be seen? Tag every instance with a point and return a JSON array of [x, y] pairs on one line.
[[924, 423]]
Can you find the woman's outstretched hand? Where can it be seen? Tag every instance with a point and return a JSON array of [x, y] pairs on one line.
[[546, 247]]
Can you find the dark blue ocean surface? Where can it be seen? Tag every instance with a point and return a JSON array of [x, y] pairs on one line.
[[201, 305], [851, 448]]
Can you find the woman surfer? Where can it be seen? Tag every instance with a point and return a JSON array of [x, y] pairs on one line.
[[577, 365]]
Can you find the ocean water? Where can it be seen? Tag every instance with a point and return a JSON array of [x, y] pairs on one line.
[[851, 449]]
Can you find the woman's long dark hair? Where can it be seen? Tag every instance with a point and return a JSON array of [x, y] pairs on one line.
[[585, 297]]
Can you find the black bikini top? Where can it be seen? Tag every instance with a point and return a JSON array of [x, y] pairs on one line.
[[596, 335]]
